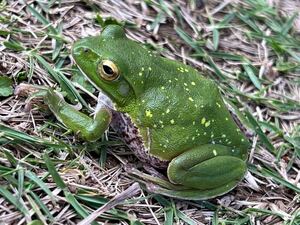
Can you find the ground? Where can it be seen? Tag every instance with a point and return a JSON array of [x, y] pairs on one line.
[[250, 48]]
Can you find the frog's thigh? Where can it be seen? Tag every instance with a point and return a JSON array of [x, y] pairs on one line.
[[207, 167], [89, 128]]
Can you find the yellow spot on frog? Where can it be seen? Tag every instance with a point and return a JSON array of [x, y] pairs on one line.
[[226, 118], [170, 81], [148, 113], [193, 83], [185, 84], [218, 104], [191, 99], [223, 135], [215, 152], [140, 74], [181, 69], [168, 110], [143, 68], [149, 68], [172, 121], [203, 120], [162, 88], [207, 124], [186, 70], [161, 122], [242, 140]]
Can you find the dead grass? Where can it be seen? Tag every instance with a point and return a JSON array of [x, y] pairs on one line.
[[249, 48]]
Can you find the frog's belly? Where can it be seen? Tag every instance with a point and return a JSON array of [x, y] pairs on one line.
[[126, 129]]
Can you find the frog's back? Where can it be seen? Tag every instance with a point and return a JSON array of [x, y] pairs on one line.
[[184, 110]]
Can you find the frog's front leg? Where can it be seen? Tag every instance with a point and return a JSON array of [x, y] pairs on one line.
[[90, 129], [208, 171]]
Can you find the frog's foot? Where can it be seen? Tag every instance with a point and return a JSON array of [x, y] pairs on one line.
[[158, 185], [154, 172], [33, 93], [200, 173], [25, 90], [134, 171]]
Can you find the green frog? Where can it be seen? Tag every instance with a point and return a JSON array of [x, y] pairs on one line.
[[169, 115]]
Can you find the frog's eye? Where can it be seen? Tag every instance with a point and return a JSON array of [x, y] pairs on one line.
[[108, 70]]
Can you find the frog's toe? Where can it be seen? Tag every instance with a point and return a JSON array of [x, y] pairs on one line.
[[191, 194]]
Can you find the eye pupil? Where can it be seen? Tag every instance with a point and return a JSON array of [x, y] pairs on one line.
[[108, 70]]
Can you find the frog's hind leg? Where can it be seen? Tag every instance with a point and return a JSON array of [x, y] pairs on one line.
[[208, 171]]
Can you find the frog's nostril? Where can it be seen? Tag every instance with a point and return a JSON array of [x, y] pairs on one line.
[[77, 50], [85, 50]]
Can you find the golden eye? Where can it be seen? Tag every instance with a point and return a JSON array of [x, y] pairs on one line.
[[108, 70]]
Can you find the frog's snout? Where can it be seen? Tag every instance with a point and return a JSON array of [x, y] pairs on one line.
[[82, 46], [78, 49]]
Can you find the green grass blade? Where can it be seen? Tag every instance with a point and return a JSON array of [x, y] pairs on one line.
[[263, 172], [64, 83], [12, 134], [51, 169], [185, 218], [20, 182], [249, 71], [36, 209], [40, 183], [256, 127], [13, 200], [288, 25], [42, 206], [42, 19]]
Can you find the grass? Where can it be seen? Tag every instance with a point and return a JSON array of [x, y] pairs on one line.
[[252, 49]]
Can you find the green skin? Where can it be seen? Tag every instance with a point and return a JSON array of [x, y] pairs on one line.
[[179, 113]]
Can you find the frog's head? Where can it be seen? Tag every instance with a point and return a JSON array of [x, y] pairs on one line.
[[111, 62]]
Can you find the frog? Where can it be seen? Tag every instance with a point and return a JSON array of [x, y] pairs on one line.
[[168, 113]]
